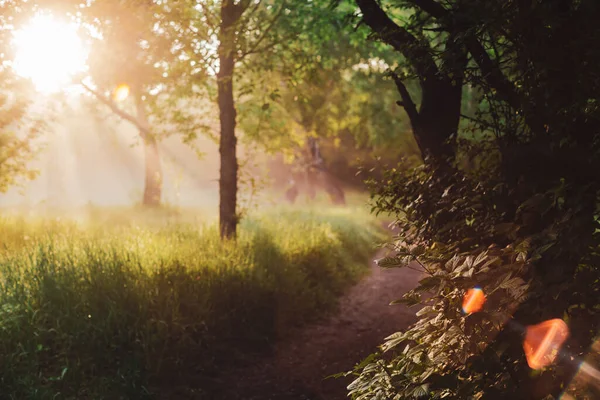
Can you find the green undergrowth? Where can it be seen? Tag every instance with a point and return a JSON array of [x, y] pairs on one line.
[[91, 310]]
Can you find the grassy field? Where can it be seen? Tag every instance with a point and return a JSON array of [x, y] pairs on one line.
[[111, 304]]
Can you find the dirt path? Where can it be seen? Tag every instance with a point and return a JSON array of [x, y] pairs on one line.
[[296, 369]]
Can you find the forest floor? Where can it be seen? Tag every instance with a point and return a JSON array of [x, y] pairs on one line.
[[297, 367]]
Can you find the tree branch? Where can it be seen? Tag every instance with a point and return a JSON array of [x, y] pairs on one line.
[[255, 8], [407, 101], [267, 46], [144, 131], [400, 39], [492, 74], [240, 8], [431, 7], [265, 31]]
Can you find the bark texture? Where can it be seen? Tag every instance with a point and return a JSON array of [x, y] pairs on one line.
[[230, 14]]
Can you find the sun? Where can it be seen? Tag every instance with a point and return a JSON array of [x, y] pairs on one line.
[[49, 52]]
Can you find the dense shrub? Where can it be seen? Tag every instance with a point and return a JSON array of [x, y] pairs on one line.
[[527, 258], [505, 200]]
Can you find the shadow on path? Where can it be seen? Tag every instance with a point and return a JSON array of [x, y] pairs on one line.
[[297, 367]]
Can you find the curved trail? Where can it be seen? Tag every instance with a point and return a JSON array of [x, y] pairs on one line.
[[297, 366]]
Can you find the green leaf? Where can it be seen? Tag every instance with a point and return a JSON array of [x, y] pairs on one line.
[[391, 262], [429, 282], [425, 310], [421, 391], [409, 299], [513, 283]]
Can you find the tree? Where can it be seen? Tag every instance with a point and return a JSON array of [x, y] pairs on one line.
[[122, 56], [133, 53], [191, 44], [508, 223], [316, 106], [437, 118], [248, 37], [19, 130], [231, 14], [21, 122]]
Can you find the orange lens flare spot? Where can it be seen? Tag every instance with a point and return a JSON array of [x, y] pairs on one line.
[[543, 341], [473, 301], [121, 92]]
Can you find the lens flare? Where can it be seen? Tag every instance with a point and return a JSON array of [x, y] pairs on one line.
[[543, 341], [586, 383], [121, 93], [473, 301]]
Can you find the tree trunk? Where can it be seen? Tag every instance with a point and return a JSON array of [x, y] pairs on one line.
[[334, 189], [320, 175], [310, 179], [292, 192], [153, 183], [312, 162], [227, 145], [436, 120], [153, 170]]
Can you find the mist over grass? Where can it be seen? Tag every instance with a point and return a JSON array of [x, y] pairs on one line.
[[114, 304]]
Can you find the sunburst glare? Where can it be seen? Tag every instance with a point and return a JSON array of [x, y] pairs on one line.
[[121, 93], [49, 52]]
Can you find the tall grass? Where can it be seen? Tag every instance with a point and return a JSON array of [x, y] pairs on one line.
[[90, 311]]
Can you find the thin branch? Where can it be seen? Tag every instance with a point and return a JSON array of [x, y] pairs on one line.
[[407, 101], [144, 131], [423, 266], [476, 120], [266, 30], [439, 29], [268, 46], [212, 19], [414, 269], [256, 6], [358, 25], [492, 74], [489, 69], [431, 7]]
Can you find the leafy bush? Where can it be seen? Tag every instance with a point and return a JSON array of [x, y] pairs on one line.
[[506, 199], [527, 260], [88, 312]]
